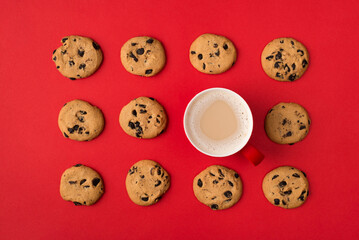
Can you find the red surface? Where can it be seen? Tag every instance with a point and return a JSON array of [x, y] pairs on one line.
[[34, 154]]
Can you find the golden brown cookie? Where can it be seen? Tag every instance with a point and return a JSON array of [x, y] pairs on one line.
[[285, 59], [146, 182], [212, 54], [218, 187], [78, 57], [143, 117], [80, 121], [286, 187], [287, 123], [81, 185], [144, 56]]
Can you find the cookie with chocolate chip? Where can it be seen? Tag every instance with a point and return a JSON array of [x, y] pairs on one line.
[[218, 187], [286, 187], [81, 185], [287, 123], [143, 117], [212, 54], [78, 57], [79, 120], [144, 56], [285, 59], [146, 182]]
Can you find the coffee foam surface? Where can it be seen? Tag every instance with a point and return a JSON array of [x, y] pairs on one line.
[[225, 146]]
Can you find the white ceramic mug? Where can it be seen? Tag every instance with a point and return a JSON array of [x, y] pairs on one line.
[[238, 141]]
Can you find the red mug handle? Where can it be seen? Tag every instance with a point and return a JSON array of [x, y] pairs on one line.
[[252, 154]]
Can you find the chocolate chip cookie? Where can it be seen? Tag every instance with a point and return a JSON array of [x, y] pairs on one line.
[[212, 54], [80, 121], [78, 57], [146, 182], [144, 56], [287, 123], [218, 187], [285, 59], [143, 117], [286, 187], [81, 185]]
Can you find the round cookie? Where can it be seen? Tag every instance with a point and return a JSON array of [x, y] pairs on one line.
[[287, 123], [285, 59], [143, 117], [146, 182], [78, 57], [212, 54], [286, 187], [81, 185], [218, 187], [144, 56], [80, 121]]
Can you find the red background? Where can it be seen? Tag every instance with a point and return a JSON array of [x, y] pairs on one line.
[[33, 153]]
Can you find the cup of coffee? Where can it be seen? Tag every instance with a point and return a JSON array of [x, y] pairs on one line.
[[218, 122]]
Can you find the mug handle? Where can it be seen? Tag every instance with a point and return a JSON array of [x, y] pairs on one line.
[[252, 154]]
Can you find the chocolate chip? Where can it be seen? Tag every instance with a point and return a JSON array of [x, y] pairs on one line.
[[199, 183], [281, 41], [87, 132], [72, 182], [279, 75], [296, 175], [144, 198], [54, 58], [142, 105], [158, 121], [284, 203], [78, 165], [300, 52], [82, 66], [304, 63], [204, 66], [278, 56], [276, 201], [236, 175], [64, 40], [80, 53], [143, 111], [225, 46], [214, 206], [82, 181], [230, 183], [301, 198], [83, 112], [284, 121], [148, 71], [215, 45], [63, 52], [95, 181], [77, 203], [270, 111], [283, 106], [286, 67], [142, 176], [149, 41], [293, 66], [308, 121], [215, 181], [211, 174], [193, 52], [95, 46], [140, 51], [72, 78], [150, 117], [228, 194], [292, 77], [217, 53], [220, 172], [131, 125], [151, 98], [275, 176], [270, 57], [80, 130], [87, 186], [66, 135], [134, 113], [305, 175], [276, 65], [133, 56], [159, 171], [282, 184], [158, 182], [54, 51], [289, 192], [133, 44], [200, 56], [302, 127], [292, 42]]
